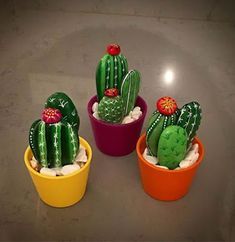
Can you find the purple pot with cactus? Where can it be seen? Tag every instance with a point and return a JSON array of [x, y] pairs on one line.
[[119, 115]]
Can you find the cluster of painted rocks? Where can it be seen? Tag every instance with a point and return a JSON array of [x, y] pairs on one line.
[[190, 158], [133, 115], [78, 163]]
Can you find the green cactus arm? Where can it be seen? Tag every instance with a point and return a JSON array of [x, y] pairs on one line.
[[42, 144], [61, 101], [130, 89], [172, 146], [190, 118], [102, 82], [153, 133], [70, 143], [54, 147], [33, 139]]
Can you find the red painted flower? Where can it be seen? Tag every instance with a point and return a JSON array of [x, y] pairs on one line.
[[113, 49], [112, 92], [166, 105], [51, 115]]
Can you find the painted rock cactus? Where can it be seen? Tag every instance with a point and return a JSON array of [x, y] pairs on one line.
[[53, 141], [111, 107], [167, 113], [190, 119], [111, 70], [172, 146], [130, 89], [61, 101]]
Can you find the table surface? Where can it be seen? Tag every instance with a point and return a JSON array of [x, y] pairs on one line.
[[45, 49]]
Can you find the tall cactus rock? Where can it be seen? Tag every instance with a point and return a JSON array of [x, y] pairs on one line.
[[167, 113], [172, 146], [61, 101], [130, 89], [53, 141], [190, 119], [111, 107], [111, 70]]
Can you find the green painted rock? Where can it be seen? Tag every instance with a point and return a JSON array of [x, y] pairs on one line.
[[166, 114], [111, 108], [61, 101], [129, 90], [53, 141], [190, 119], [111, 70], [172, 146]]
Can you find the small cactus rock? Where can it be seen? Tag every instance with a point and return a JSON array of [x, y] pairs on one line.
[[166, 114], [111, 70], [130, 89], [111, 107], [172, 146], [62, 102], [190, 119], [53, 141]]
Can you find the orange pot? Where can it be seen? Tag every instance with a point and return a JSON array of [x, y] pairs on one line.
[[162, 184]]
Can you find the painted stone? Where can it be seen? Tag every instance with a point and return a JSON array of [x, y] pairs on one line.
[[172, 146]]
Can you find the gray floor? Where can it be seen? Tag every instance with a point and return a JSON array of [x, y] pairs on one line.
[[47, 46]]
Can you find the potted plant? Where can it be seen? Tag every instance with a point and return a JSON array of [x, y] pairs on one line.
[[117, 112], [169, 154], [57, 159]]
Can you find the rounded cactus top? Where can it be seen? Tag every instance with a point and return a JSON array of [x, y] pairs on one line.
[[51, 115], [113, 49], [166, 105], [112, 92]]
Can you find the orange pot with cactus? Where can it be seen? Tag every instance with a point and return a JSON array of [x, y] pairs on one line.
[[169, 153]]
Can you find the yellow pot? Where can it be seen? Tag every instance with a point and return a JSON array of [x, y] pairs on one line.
[[60, 191]]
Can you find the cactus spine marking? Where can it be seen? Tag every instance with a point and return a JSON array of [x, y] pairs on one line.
[[111, 70], [130, 89], [166, 114], [54, 138], [111, 107], [172, 146], [190, 119], [62, 102]]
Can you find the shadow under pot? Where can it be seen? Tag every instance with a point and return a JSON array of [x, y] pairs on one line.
[[117, 139], [162, 184]]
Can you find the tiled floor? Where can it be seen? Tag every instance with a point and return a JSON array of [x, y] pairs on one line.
[[47, 46]]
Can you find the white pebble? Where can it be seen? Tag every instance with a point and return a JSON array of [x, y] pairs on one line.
[[136, 109], [163, 167], [188, 162], [34, 163], [95, 107], [127, 120], [195, 148], [96, 115], [151, 159], [136, 115], [58, 171], [47, 171], [68, 169], [81, 157]]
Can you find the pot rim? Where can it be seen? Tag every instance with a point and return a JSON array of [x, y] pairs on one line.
[[197, 163], [89, 157], [90, 103]]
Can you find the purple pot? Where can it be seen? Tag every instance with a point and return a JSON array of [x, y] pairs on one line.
[[117, 139]]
